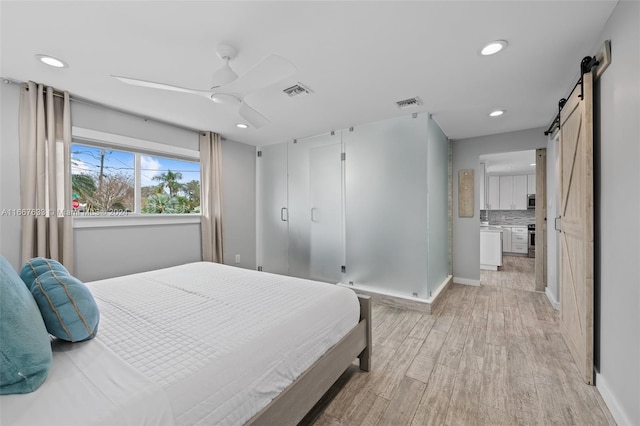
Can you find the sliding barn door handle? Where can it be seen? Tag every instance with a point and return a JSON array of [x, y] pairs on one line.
[[284, 214]]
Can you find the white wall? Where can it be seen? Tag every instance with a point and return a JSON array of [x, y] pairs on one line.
[[618, 178], [239, 203], [9, 174], [466, 231]]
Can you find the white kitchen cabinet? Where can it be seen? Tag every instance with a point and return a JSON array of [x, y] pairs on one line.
[[531, 184], [519, 242], [513, 192], [490, 249], [520, 192], [506, 239], [493, 202], [506, 193]]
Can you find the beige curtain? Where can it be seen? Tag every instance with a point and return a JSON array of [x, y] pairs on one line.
[[211, 200], [45, 174]]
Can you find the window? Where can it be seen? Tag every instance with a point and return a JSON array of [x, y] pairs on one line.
[[102, 180], [127, 180], [169, 186]]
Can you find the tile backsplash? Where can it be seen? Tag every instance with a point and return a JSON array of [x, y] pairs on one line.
[[510, 217]]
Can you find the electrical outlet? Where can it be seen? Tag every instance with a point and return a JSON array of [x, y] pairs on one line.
[[237, 258]]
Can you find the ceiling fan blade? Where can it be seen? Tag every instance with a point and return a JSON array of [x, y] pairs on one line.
[[253, 117], [153, 85], [271, 70]]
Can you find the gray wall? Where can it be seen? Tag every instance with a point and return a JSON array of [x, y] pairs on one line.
[[466, 231], [239, 203], [618, 256], [113, 251], [9, 174]]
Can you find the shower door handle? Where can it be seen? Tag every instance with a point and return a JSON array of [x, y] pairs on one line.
[[313, 216], [284, 214]]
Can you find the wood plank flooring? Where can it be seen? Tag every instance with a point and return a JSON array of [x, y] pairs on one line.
[[488, 355], [517, 272]]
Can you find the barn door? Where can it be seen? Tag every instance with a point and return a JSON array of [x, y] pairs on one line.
[[576, 230]]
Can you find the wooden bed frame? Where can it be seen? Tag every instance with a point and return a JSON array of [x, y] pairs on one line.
[[292, 404]]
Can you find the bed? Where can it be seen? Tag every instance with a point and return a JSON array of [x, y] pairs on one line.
[[202, 343]]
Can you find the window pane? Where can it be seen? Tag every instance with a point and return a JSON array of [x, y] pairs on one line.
[[102, 179], [169, 186]]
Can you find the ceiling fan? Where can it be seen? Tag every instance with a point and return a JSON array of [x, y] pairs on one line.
[[230, 89]]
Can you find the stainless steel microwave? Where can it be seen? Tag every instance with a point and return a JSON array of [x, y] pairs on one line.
[[531, 201]]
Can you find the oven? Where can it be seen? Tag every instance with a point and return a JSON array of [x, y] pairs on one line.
[[532, 239]]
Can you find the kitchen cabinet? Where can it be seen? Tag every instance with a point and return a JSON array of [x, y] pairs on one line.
[[506, 240], [490, 249], [531, 184], [493, 202], [506, 192], [513, 192], [519, 242], [520, 192]]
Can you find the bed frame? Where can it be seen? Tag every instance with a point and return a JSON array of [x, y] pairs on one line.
[[292, 404]]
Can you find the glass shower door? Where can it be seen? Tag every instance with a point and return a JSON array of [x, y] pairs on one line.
[[325, 213], [315, 208], [273, 209]]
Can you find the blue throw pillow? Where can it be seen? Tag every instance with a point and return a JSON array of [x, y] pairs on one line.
[[67, 306], [25, 345]]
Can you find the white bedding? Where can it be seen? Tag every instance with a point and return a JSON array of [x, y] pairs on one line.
[[196, 344]]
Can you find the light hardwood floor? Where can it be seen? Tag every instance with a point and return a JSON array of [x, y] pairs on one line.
[[516, 272], [487, 356]]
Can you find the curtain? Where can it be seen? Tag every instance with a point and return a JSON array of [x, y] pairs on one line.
[[45, 174], [211, 201]]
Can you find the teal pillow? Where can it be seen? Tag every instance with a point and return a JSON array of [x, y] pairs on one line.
[[38, 266], [25, 345], [67, 306]]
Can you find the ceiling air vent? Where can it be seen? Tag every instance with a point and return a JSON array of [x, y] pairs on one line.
[[297, 90], [408, 103]]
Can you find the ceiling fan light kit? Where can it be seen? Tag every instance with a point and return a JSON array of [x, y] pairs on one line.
[[271, 70]]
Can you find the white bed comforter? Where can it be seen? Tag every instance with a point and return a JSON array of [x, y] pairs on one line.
[[202, 343]]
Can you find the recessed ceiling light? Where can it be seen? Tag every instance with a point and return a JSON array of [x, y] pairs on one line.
[[242, 126], [496, 113], [532, 164], [51, 61], [493, 47]]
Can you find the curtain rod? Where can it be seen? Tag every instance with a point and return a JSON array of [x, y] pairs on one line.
[[82, 100]]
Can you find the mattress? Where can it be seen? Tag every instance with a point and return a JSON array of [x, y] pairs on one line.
[[201, 343]]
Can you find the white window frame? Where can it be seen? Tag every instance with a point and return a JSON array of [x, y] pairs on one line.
[[137, 147]]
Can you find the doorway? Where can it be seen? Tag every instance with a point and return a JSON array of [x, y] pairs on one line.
[[508, 183]]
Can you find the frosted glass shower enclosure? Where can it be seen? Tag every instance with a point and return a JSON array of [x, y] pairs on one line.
[[367, 207]]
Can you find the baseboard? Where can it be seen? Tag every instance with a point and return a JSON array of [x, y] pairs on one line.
[[466, 281], [438, 295], [554, 302], [618, 413]]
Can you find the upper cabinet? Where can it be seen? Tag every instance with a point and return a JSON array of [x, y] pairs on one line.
[[507, 192], [493, 193]]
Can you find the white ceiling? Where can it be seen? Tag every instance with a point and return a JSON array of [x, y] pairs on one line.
[[510, 163], [358, 57]]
